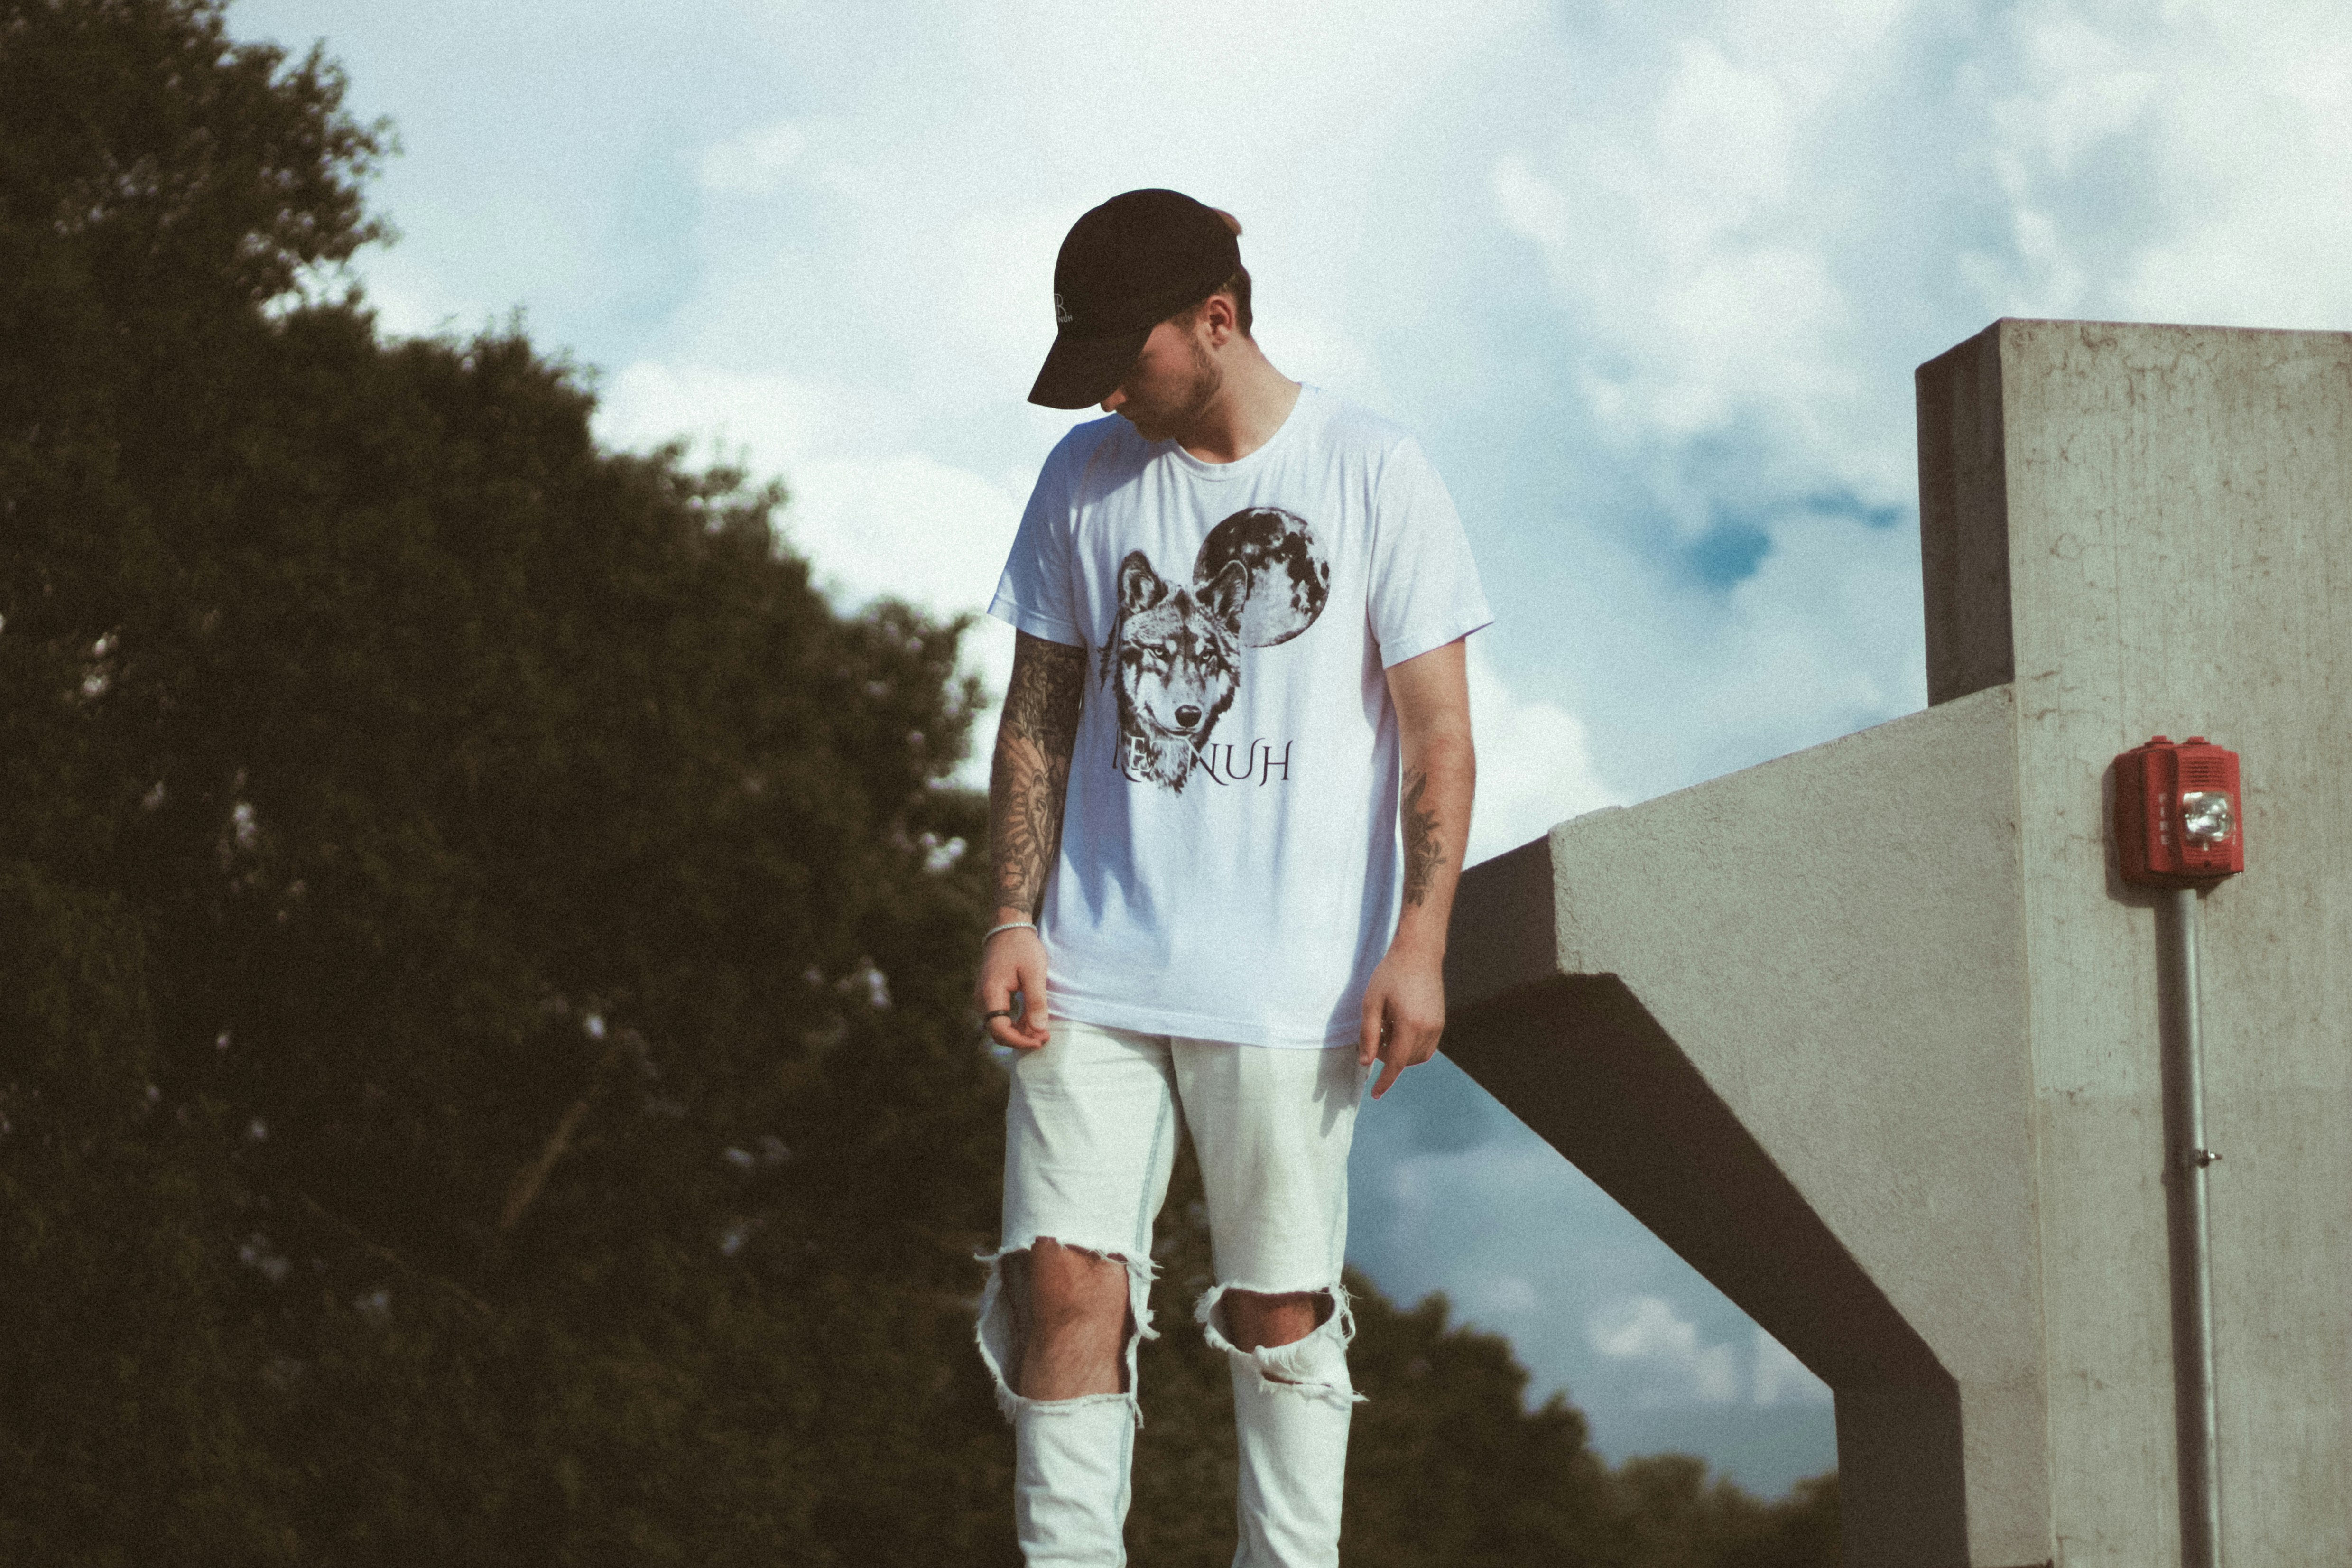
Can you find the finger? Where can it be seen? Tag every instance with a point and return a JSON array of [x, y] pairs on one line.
[[1016, 1031], [992, 994], [1390, 1072], [1367, 1044], [990, 985], [1005, 1028], [1033, 992]]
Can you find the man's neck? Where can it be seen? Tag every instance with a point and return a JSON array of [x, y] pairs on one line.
[[1255, 401]]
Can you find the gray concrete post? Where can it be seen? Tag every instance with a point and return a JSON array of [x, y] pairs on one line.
[[1869, 1034]]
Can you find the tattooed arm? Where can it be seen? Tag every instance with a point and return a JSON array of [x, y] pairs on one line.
[[1027, 785], [1404, 1004]]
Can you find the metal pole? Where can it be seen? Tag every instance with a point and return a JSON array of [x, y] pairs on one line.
[[2204, 1477]]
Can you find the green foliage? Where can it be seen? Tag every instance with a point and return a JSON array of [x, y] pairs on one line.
[[486, 1074]]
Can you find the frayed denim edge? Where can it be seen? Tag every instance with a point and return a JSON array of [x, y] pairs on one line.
[[992, 1333], [1303, 1366]]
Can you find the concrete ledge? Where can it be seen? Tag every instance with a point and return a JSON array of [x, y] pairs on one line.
[[1780, 1018]]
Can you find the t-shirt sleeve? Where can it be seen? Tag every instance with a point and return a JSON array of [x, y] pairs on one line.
[[1424, 589], [1036, 591]]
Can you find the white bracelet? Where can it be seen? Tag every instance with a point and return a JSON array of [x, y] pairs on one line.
[[1008, 925]]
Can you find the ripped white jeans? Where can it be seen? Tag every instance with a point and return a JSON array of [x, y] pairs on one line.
[[1091, 1143]]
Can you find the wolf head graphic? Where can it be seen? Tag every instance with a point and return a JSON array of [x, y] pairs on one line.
[[1178, 660], [1260, 578]]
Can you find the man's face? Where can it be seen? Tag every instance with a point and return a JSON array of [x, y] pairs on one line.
[[1172, 383]]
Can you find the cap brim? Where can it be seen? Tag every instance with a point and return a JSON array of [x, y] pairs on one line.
[[1081, 372]]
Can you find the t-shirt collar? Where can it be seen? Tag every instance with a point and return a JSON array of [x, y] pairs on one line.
[[1241, 467]]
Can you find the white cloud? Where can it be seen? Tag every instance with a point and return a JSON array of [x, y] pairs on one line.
[[2253, 131], [754, 163], [1721, 220], [1781, 1379], [2236, 122], [1827, 632], [1534, 767], [1647, 1331], [872, 518], [770, 418], [409, 304], [1691, 225]]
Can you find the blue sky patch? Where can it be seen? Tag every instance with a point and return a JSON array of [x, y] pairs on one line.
[[1726, 553]]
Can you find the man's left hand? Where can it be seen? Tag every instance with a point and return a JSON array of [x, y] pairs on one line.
[[1405, 1013]]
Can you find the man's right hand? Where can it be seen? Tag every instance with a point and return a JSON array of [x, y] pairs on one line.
[[1015, 961]]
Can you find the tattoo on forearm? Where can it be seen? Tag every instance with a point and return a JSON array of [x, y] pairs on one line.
[[1030, 778], [1422, 853]]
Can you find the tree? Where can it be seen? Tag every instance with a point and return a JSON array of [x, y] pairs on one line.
[[487, 1069]]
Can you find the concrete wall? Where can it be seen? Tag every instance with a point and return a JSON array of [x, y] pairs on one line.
[[2173, 507], [1870, 1034]]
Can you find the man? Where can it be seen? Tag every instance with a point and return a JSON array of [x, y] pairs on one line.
[[1238, 673]]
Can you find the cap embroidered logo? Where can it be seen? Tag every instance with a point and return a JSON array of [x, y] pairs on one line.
[[1061, 311]]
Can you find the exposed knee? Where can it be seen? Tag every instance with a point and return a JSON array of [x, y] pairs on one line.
[[1294, 1340], [1056, 1317], [1071, 1290], [1257, 1320]]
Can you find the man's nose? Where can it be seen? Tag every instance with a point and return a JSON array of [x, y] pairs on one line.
[[1117, 396]]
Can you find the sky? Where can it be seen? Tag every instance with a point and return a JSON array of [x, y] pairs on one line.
[[1649, 281]]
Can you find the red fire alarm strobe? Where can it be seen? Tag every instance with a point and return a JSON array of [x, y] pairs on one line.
[[2180, 822]]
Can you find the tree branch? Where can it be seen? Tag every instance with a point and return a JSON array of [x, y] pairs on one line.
[[524, 1189]]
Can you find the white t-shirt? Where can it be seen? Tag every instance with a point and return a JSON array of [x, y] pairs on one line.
[[1229, 867]]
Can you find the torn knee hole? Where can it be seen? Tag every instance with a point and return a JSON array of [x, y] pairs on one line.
[[1266, 1319], [1054, 1299], [1307, 1352]]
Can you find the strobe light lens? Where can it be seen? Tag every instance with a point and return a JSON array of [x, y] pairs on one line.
[[2205, 817]]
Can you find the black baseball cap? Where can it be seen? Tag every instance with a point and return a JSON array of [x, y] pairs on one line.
[[1126, 266]]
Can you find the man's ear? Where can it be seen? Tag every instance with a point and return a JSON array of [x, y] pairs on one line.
[[1140, 586], [1222, 320]]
